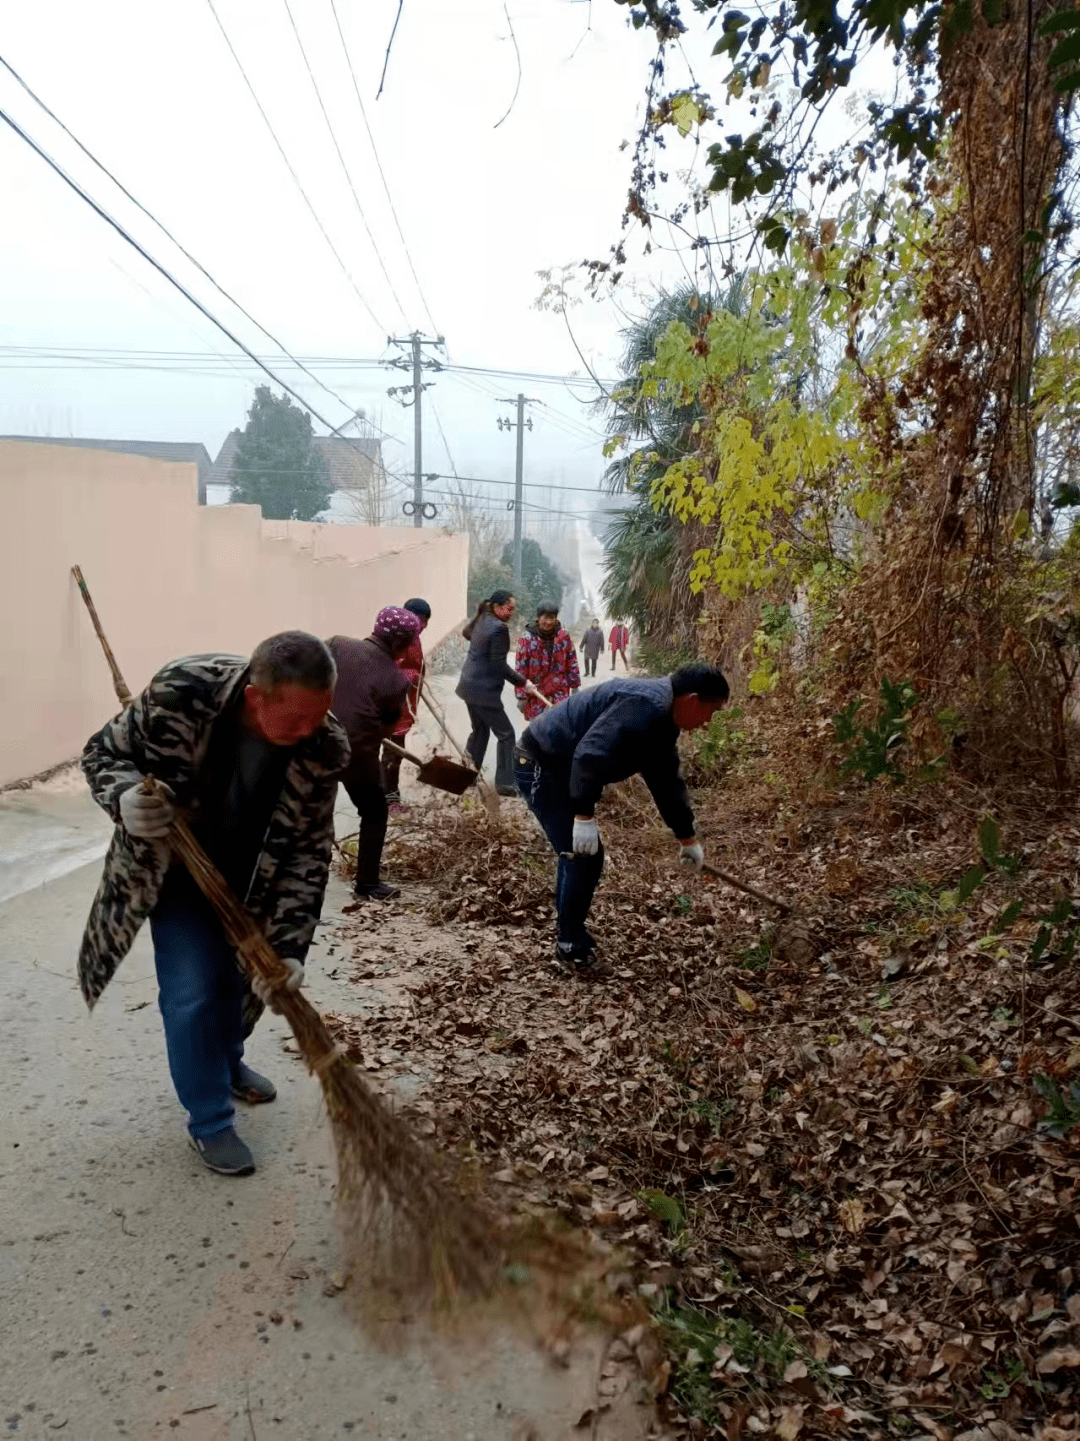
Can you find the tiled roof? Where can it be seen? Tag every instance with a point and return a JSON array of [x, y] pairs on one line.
[[191, 451]]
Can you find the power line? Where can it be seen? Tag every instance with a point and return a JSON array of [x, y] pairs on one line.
[[341, 158], [172, 238], [351, 362], [115, 224], [296, 179], [382, 176], [446, 443], [469, 479]]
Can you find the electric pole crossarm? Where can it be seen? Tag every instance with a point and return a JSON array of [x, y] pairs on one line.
[[418, 364], [520, 401]]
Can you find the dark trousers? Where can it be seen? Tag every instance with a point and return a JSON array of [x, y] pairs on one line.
[[200, 993], [618, 652], [546, 792], [363, 784], [488, 720], [391, 769], [590, 664]]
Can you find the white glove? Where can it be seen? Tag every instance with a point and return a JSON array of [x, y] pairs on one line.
[[147, 816], [267, 993], [586, 837], [693, 856]]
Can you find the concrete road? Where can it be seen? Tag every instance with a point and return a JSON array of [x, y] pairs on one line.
[[142, 1296]]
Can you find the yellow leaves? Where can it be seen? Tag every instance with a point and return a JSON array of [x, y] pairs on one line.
[[745, 1000], [686, 113]]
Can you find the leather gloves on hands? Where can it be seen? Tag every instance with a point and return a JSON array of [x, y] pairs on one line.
[[147, 816], [586, 837], [268, 994], [693, 856]]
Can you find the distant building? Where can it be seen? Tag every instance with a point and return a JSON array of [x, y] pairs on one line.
[[191, 452], [356, 476]]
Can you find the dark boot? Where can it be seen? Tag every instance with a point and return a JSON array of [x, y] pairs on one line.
[[504, 767]]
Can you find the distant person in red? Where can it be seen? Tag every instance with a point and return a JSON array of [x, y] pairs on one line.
[[618, 640], [412, 663], [546, 656]]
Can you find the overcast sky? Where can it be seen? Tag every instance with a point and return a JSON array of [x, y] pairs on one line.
[[483, 206]]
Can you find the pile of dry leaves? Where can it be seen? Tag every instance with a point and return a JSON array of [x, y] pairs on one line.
[[836, 1182]]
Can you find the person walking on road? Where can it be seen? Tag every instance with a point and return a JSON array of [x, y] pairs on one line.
[[566, 757], [412, 665], [483, 676], [618, 640], [592, 643], [546, 656], [368, 701], [248, 752]]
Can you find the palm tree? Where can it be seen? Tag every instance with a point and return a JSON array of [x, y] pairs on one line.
[[647, 550]]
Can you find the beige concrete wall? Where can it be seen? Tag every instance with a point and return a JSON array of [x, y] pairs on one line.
[[169, 578]]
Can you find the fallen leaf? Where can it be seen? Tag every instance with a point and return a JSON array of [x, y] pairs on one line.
[[1058, 1360], [852, 1214], [790, 1423]]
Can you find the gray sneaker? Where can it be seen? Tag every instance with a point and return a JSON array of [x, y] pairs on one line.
[[223, 1152], [249, 1086]]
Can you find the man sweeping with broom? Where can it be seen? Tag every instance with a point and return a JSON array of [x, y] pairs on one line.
[[248, 751]]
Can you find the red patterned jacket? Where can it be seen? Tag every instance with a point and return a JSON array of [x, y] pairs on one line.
[[412, 663], [554, 675]]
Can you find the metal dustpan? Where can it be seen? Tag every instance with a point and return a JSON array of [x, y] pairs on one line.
[[440, 771]]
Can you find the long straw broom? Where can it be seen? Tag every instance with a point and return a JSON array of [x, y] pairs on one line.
[[383, 1170]]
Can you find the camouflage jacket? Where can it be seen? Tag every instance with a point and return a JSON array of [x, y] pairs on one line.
[[165, 733]]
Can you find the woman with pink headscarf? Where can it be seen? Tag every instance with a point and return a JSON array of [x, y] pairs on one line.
[[368, 701]]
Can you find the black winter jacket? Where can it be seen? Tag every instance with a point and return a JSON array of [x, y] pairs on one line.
[[370, 690], [618, 729], [486, 669]]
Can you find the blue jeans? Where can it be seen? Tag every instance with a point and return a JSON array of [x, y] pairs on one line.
[[546, 791], [200, 990]]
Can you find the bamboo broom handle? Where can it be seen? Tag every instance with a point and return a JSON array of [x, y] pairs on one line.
[[750, 890], [122, 693]]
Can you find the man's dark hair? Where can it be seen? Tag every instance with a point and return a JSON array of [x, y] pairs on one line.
[[293, 658], [418, 607], [706, 681], [547, 607]]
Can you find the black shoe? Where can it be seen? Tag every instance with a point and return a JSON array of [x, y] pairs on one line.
[[224, 1152], [380, 891], [572, 959], [249, 1086], [507, 791]]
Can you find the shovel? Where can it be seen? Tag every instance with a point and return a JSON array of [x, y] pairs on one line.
[[440, 771]]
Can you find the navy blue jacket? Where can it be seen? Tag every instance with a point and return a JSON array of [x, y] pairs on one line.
[[611, 731], [486, 670]]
